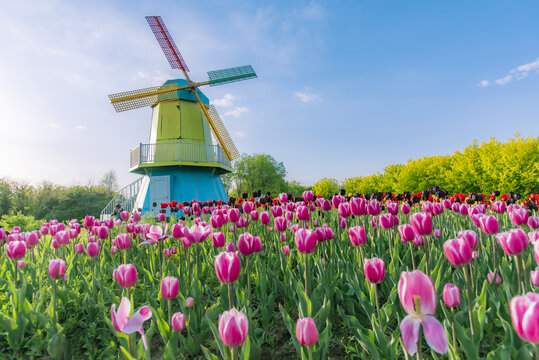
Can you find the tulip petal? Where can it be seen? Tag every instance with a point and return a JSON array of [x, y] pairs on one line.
[[410, 333], [435, 335], [123, 313], [136, 321], [143, 336]]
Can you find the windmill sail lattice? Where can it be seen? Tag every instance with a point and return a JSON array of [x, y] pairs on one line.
[[216, 119]]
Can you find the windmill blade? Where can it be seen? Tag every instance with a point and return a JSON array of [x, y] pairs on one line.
[[166, 42], [134, 99], [223, 133], [225, 76]]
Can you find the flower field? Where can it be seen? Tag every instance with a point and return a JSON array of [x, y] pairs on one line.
[[381, 276]]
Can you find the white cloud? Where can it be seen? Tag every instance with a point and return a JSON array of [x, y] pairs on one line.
[[227, 100], [53, 125], [155, 77], [518, 73], [239, 134], [237, 112], [307, 95], [81, 127], [484, 83], [314, 11]]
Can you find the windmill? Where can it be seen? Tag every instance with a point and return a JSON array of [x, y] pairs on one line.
[[180, 161]]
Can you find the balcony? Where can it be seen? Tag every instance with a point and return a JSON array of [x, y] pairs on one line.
[[178, 154]]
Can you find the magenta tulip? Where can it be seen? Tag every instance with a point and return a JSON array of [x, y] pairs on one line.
[[451, 295], [233, 327], [470, 236], [92, 250], [248, 244], [421, 223], [357, 235], [189, 302], [254, 215], [534, 277], [227, 267], [306, 332], [305, 241], [406, 232], [218, 239], [169, 287], [128, 325], [280, 223], [386, 221], [489, 224], [16, 250], [513, 242], [308, 196], [79, 248], [126, 275], [344, 210], [536, 252], [21, 264], [427, 207], [197, 233], [374, 270], [358, 206], [417, 288], [103, 232], [437, 233], [286, 250], [248, 206], [490, 278], [283, 198], [446, 203], [56, 268], [525, 316], [233, 215], [405, 208], [373, 207], [109, 223], [230, 247], [302, 212], [264, 218], [519, 216], [533, 222], [458, 251], [178, 321]]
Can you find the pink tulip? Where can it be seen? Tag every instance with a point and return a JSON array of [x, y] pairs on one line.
[[280, 223], [124, 215], [79, 248], [62, 237], [103, 232], [169, 287], [437, 233], [227, 267], [405, 208], [3, 233], [92, 250], [123, 241], [178, 321], [525, 316], [233, 215], [305, 241], [306, 331], [458, 251], [357, 235], [264, 218], [128, 325], [336, 200], [406, 232], [248, 206], [16, 250], [489, 224], [33, 239], [197, 233], [533, 222], [342, 222], [418, 240], [130, 228], [248, 244], [242, 223], [166, 252], [320, 234], [534, 277], [254, 215], [498, 207], [470, 236], [216, 222], [464, 209], [173, 250], [126, 275], [233, 327], [113, 249], [56, 268], [344, 210], [161, 217], [374, 270], [519, 216], [358, 206], [536, 252], [308, 196], [283, 198], [373, 207], [276, 211], [286, 250], [189, 302], [446, 203], [421, 223], [416, 286], [325, 205], [283, 237], [136, 216], [475, 254], [218, 239], [451, 295], [455, 208], [109, 223], [302, 212], [21, 264], [490, 278], [154, 233], [427, 207], [392, 208], [230, 247], [88, 222], [513, 242], [386, 221]]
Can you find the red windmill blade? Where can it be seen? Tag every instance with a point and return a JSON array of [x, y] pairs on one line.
[[173, 55]]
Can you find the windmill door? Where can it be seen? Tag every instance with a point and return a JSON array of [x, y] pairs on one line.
[[159, 191]]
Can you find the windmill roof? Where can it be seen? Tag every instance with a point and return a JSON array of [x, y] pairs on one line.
[[186, 94]]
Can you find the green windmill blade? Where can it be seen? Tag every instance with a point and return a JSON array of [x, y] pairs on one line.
[[225, 76]]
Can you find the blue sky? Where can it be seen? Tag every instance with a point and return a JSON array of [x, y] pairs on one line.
[[344, 88]]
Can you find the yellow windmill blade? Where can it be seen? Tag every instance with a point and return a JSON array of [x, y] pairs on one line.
[[145, 97], [220, 128]]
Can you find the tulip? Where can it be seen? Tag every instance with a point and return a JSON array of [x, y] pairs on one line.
[[92, 250], [421, 223], [233, 328], [455, 207], [308, 196], [136, 216], [286, 250], [458, 251], [218, 239], [513, 242], [306, 332], [533, 222], [489, 224], [248, 244], [103, 232], [437, 233], [534, 277], [490, 278], [280, 223], [126, 275], [21, 264], [189, 302], [344, 210], [392, 208], [178, 321], [374, 270], [406, 232], [302, 212], [386, 221], [498, 207], [519, 216], [536, 252], [342, 222], [16, 250], [161, 217], [325, 205], [79, 248], [128, 325], [464, 209], [405, 208], [169, 287], [418, 241], [470, 236], [123, 241], [56, 268], [357, 235], [525, 317], [283, 198], [233, 215], [358, 206], [109, 223], [446, 203], [336, 200], [418, 298], [451, 295], [227, 267], [88, 222], [305, 241], [230, 247], [254, 215], [427, 207], [264, 218], [197, 233], [167, 253], [373, 207], [113, 250]]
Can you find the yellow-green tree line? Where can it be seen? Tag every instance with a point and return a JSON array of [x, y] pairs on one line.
[[509, 166]]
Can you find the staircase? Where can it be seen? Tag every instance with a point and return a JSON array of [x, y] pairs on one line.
[[125, 197]]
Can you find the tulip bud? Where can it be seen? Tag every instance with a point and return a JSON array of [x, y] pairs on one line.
[[519, 216], [386, 221], [113, 249], [227, 267], [437, 233], [451, 295], [534, 277], [357, 235], [169, 287], [178, 322], [21, 264], [126, 275], [189, 302], [56, 268], [490, 277], [306, 332], [286, 250], [230, 247], [405, 208], [233, 327], [374, 270], [92, 250]]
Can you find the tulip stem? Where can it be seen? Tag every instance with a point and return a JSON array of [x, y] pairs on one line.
[[307, 285], [229, 296], [427, 249], [525, 271], [180, 258], [412, 254], [494, 258], [469, 290], [54, 304], [537, 352], [377, 304], [169, 313], [310, 352], [232, 353], [248, 279], [453, 331], [16, 273], [519, 274], [130, 343]]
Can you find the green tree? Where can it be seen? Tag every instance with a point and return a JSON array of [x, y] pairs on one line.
[[257, 172], [295, 188], [5, 196], [326, 187]]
